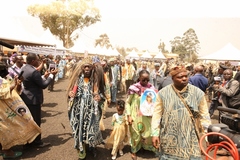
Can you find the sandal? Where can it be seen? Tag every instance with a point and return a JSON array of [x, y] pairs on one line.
[[16, 154], [82, 154], [134, 156]]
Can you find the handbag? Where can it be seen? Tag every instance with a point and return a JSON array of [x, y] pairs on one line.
[[195, 119]]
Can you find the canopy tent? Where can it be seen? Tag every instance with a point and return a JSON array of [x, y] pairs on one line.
[[115, 52], [228, 52], [14, 33], [19, 42], [103, 51], [48, 37], [146, 54], [112, 52], [79, 47], [92, 50], [159, 55], [132, 54]]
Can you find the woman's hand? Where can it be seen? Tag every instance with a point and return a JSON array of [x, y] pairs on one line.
[[130, 120], [156, 142]]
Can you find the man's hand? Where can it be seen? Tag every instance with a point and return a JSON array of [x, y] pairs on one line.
[[97, 97], [156, 142], [46, 74], [54, 71], [71, 94]]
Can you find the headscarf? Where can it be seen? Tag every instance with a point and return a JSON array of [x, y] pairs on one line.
[[174, 71], [96, 59], [77, 72]]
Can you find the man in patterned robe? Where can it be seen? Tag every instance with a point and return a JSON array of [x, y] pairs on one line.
[[173, 130]]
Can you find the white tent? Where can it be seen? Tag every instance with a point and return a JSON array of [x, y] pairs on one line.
[[50, 38], [146, 54], [159, 56], [228, 52], [132, 54], [115, 52], [112, 52], [109, 52], [92, 50], [79, 47], [102, 50], [13, 32]]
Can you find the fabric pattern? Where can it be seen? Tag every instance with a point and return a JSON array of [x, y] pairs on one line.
[[172, 122], [130, 71], [16, 127], [85, 115], [118, 134], [140, 130]]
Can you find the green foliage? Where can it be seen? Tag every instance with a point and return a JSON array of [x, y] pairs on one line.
[[103, 40], [187, 46], [161, 47], [122, 51], [63, 19]]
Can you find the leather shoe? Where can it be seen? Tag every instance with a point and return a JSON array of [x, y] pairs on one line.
[[94, 151]]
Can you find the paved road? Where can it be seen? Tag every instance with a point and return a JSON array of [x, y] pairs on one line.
[[56, 130]]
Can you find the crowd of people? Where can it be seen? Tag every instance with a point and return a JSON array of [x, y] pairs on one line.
[[166, 109]]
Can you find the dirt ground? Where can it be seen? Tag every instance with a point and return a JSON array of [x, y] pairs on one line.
[[56, 130]]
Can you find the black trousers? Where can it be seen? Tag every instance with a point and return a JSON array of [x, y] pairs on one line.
[[128, 84], [36, 114], [51, 85]]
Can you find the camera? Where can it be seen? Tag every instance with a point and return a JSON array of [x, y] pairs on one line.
[[229, 126], [52, 67]]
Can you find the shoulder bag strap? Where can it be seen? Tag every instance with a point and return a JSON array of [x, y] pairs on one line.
[[190, 112], [15, 71]]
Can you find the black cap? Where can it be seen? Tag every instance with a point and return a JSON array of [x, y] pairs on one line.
[[221, 66]]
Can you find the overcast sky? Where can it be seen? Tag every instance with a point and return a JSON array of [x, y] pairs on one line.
[[142, 23]]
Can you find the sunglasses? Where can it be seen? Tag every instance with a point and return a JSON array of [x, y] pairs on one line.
[[145, 80]]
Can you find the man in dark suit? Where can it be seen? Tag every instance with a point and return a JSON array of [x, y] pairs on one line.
[[199, 80], [50, 61], [32, 93]]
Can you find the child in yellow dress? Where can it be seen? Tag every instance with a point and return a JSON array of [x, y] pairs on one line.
[[119, 132]]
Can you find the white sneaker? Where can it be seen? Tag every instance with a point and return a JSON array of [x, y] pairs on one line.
[[120, 152], [114, 156]]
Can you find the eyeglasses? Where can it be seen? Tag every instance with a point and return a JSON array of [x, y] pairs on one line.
[[145, 80]]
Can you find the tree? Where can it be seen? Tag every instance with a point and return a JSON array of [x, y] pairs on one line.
[[191, 42], [64, 18], [187, 46], [175, 43], [122, 51], [103, 40], [161, 47]]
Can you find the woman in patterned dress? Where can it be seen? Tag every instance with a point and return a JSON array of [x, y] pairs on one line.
[[139, 125]]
